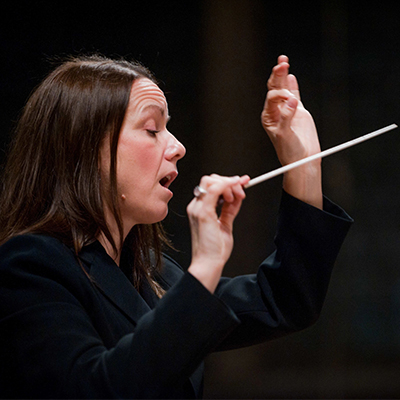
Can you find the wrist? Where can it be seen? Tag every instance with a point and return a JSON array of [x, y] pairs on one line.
[[206, 273], [305, 183]]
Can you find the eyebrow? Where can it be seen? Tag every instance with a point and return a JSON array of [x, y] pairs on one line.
[[161, 109]]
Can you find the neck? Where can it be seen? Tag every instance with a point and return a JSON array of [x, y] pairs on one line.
[[116, 256], [114, 231]]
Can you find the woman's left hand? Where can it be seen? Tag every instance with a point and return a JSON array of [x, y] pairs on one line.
[[211, 232], [293, 133]]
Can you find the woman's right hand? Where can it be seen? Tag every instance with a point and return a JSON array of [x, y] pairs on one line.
[[212, 238]]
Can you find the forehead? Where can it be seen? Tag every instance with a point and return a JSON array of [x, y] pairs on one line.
[[144, 94]]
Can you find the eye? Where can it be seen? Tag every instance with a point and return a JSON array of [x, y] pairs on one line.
[[152, 132]]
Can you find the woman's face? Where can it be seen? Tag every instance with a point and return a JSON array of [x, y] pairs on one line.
[[147, 155]]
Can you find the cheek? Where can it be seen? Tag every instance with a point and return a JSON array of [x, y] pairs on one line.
[[138, 158]]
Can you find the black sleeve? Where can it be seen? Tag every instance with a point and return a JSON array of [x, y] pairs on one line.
[[288, 291]]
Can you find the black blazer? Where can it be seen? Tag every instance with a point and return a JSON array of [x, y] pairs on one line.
[[64, 335]]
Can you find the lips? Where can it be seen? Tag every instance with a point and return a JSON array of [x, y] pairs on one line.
[[168, 179]]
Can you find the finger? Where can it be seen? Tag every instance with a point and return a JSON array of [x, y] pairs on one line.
[[278, 78], [208, 180], [227, 196], [229, 211], [238, 191], [273, 102], [282, 58], [244, 180], [216, 187], [276, 97], [293, 86], [287, 113], [235, 191]]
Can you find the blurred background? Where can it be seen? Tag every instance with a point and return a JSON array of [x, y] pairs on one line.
[[213, 58]]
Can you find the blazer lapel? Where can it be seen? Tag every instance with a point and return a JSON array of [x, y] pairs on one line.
[[114, 285], [111, 281]]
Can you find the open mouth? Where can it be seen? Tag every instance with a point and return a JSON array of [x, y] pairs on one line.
[[165, 181], [168, 179]]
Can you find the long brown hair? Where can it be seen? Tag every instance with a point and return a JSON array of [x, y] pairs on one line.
[[51, 181]]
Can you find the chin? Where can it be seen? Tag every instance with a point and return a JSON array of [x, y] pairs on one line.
[[164, 215], [156, 217]]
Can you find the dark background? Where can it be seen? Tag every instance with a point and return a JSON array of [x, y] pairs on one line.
[[213, 58]]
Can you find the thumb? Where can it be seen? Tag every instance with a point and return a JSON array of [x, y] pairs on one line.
[[288, 111]]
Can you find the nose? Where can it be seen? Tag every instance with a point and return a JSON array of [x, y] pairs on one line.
[[175, 149]]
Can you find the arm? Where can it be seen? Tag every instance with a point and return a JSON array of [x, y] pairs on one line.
[[288, 291], [294, 136], [292, 132]]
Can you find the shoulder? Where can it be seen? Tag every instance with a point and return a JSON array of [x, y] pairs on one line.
[[38, 271], [35, 253], [35, 245]]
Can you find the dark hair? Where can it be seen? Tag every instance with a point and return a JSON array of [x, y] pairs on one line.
[[51, 181]]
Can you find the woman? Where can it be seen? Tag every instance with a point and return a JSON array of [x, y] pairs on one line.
[[89, 305]]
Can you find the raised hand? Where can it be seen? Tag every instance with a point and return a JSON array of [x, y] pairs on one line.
[[293, 133]]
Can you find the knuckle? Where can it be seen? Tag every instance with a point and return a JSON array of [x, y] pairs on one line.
[[206, 179], [189, 208]]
